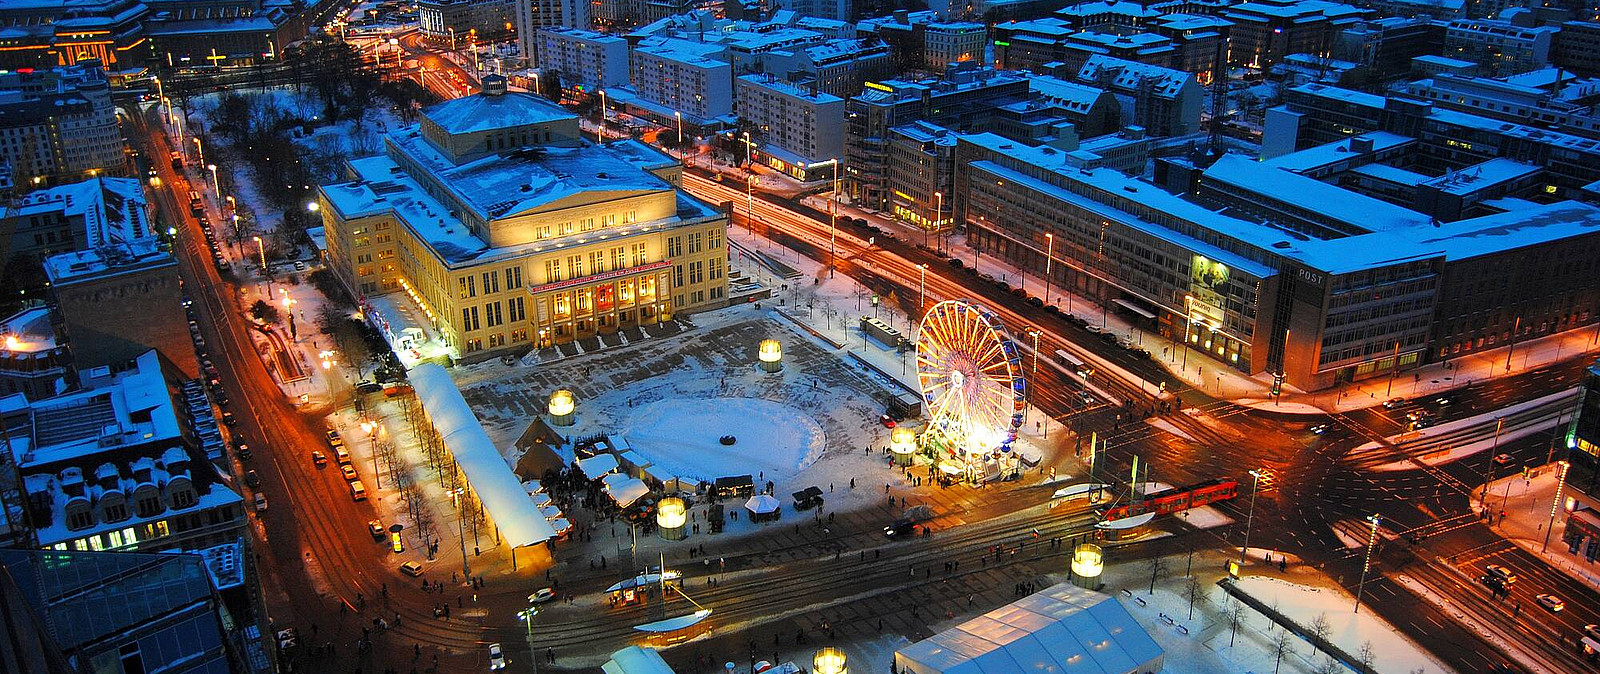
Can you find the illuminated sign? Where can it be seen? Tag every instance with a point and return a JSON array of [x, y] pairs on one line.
[[879, 87], [1000, 43]]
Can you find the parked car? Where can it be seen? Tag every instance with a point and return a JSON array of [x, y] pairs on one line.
[[261, 502], [368, 387], [375, 528], [349, 472], [1443, 401], [244, 451], [1551, 602], [412, 569], [497, 657], [886, 420], [1502, 459], [228, 418], [251, 479], [334, 440], [1393, 403]]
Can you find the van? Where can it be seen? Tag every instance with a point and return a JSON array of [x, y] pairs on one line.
[[341, 455], [358, 491]]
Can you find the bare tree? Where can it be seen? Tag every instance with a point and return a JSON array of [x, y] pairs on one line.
[[1158, 569], [1282, 646], [1366, 657], [1320, 629], [1193, 590], [1328, 666], [1235, 618]]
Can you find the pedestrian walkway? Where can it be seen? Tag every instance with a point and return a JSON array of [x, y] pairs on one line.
[[1536, 521]]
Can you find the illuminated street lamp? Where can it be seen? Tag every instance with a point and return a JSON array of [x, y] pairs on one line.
[[600, 126], [1366, 564], [770, 353], [1250, 519], [1555, 504], [313, 206], [830, 660], [671, 516], [922, 288], [1049, 257], [261, 249], [371, 427], [833, 219], [213, 169], [199, 150], [747, 148], [679, 117], [750, 204]]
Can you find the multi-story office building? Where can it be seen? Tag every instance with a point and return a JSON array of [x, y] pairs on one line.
[[45, 35], [921, 164], [1125, 31], [77, 216], [1577, 47], [965, 98], [455, 22], [58, 125], [508, 230], [798, 130], [839, 67], [1583, 439], [920, 41], [836, 10], [1509, 45], [1164, 101], [226, 32], [1385, 47], [689, 78], [531, 15], [118, 300], [1265, 296], [32, 361], [583, 58], [1315, 114], [1266, 31], [1566, 106], [118, 611]]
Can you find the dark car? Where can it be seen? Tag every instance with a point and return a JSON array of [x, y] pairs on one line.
[[369, 387], [900, 528], [252, 479], [956, 263]]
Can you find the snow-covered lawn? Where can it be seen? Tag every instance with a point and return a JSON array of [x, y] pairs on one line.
[[1349, 630], [683, 437]]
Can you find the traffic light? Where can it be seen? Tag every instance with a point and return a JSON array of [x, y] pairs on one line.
[[1277, 384]]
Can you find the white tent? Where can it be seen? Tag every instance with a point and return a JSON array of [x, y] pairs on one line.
[[490, 477], [597, 465], [636, 660], [623, 489], [1064, 629], [761, 504]]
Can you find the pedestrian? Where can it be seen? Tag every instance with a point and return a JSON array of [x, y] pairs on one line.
[[458, 601], [852, 483]]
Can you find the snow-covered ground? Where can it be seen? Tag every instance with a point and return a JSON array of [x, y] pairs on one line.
[[683, 437], [1459, 451], [1348, 629]]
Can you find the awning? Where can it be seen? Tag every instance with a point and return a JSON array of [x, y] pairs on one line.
[[598, 465], [490, 477], [1134, 308], [761, 504], [675, 624]]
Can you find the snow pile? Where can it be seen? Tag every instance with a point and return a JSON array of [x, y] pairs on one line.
[[683, 437]]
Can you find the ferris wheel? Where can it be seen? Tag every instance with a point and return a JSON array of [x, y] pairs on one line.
[[971, 378]]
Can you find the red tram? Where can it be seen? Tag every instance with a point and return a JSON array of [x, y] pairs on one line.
[[1176, 499]]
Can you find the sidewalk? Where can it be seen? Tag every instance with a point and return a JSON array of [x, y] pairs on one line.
[[1527, 504]]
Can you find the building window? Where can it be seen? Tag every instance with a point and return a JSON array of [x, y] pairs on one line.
[[694, 242], [491, 283], [491, 312], [639, 255], [552, 270], [715, 238], [597, 261], [715, 266], [674, 246], [467, 286], [677, 276], [513, 278], [696, 272]]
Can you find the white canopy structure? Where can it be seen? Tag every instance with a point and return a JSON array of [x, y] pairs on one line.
[[1064, 629], [1126, 523], [598, 465], [487, 473], [761, 504], [623, 489], [675, 624], [636, 660]]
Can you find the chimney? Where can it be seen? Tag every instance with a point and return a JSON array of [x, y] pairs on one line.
[[1361, 144]]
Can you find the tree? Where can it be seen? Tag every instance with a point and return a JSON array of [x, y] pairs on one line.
[[1320, 629], [265, 313], [1366, 657], [1235, 617], [1328, 666], [1158, 569], [1193, 590], [1282, 646]]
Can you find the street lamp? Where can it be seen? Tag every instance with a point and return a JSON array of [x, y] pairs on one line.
[[601, 125], [1250, 519], [371, 427], [1366, 564], [750, 205], [1488, 469], [1561, 484], [922, 290], [261, 250], [199, 150], [1188, 327], [938, 215], [396, 44], [747, 148], [679, 117], [214, 188], [833, 218], [1049, 257]]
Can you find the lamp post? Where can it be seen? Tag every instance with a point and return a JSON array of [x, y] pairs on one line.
[[536, 89], [1250, 519], [160, 92], [600, 126], [199, 150], [1188, 327], [1049, 257], [214, 188], [833, 219], [938, 213], [452, 31], [1561, 484], [371, 427], [922, 290], [261, 250], [747, 148], [393, 42], [1366, 564], [750, 205], [679, 116], [1488, 469]]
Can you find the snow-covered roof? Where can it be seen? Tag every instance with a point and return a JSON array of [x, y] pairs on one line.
[[470, 114], [110, 259], [1327, 154], [1386, 173], [1130, 75], [1078, 98], [789, 90], [112, 209], [623, 489], [497, 487], [131, 407], [1356, 211], [1064, 628], [598, 465], [1455, 241], [1482, 176]]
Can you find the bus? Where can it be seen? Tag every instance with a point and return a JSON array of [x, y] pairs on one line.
[[1073, 363]]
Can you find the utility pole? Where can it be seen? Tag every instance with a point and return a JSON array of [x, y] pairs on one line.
[[1372, 541]]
